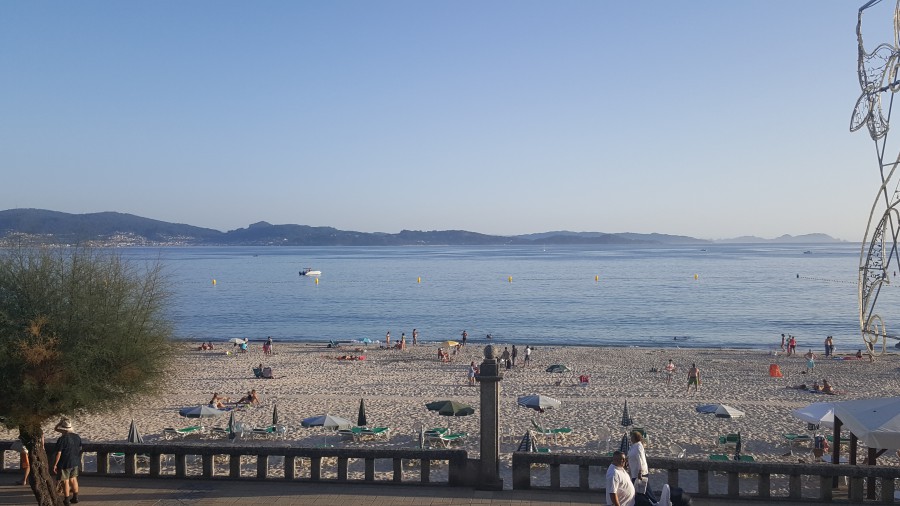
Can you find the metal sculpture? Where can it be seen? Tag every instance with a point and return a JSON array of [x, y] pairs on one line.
[[877, 72]]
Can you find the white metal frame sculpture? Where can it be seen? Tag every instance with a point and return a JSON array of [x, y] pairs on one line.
[[878, 71]]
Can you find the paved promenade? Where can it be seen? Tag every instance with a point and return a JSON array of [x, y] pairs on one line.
[[125, 491]]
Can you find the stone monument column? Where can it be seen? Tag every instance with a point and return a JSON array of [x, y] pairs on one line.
[[489, 379]]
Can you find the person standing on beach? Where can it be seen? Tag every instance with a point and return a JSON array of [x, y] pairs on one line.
[[415, 336], [670, 371], [810, 361], [619, 489], [782, 342], [68, 458], [505, 357], [471, 374], [465, 335], [792, 346], [513, 355], [527, 355], [387, 339], [693, 378]]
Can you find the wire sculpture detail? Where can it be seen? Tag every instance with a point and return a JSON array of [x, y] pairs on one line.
[[877, 71]]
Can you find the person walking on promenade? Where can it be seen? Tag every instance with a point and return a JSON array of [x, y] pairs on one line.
[[637, 463], [68, 458], [619, 489], [693, 378]]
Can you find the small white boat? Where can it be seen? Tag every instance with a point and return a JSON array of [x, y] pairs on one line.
[[309, 272]]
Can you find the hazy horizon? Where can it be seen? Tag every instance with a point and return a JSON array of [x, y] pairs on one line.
[[706, 119]]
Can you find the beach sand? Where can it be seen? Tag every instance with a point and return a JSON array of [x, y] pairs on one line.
[[310, 380]]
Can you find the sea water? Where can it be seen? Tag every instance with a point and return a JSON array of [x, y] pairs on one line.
[[717, 295]]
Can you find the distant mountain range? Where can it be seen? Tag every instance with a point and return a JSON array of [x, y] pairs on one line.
[[119, 229]]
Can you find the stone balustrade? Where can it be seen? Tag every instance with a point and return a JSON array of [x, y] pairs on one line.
[[284, 458], [820, 476]]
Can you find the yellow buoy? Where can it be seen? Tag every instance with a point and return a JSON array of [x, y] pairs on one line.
[[510, 279], [696, 276], [214, 282], [317, 281], [596, 278], [419, 279]]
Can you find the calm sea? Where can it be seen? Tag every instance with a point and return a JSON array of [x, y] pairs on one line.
[[691, 296]]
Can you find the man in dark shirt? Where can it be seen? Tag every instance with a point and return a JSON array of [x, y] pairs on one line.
[[68, 458]]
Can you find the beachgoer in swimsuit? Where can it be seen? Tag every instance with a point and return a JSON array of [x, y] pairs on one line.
[[670, 371], [810, 361], [387, 339], [415, 336], [693, 378]]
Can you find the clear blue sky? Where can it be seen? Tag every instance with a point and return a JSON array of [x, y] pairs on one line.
[[712, 119]]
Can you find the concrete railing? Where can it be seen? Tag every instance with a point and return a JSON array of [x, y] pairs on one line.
[[821, 476], [283, 458]]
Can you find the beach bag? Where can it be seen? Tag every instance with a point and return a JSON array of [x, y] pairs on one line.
[[680, 497]]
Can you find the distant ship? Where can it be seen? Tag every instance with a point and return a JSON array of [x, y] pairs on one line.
[[309, 272]]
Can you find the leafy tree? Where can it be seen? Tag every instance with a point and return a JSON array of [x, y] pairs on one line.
[[81, 331]]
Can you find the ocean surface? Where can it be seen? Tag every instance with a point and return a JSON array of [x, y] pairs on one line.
[[742, 296]]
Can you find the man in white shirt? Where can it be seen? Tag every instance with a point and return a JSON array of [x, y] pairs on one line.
[[619, 489]]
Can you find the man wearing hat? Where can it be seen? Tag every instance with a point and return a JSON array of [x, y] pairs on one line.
[[68, 458]]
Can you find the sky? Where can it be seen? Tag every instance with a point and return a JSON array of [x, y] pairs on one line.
[[712, 119]]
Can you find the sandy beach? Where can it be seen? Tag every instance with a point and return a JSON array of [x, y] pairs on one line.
[[311, 380]]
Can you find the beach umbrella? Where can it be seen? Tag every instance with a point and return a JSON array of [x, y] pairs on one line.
[[361, 420], [538, 402], [450, 408], [876, 422], [203, 411], [625, 444], [275, 414], [231, 426], [236, 340], [366, 340], [527, 443], [327, 421], [558, 368], [449, 344], [817, 413], [707, 409], [133, 435], [725, 411], [626, 418]]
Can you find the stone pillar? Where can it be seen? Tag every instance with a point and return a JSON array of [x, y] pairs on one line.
[[489, 378]]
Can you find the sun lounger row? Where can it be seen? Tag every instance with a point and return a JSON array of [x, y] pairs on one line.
[[171, 432], [557, 433], [360, 433], [443, 437]]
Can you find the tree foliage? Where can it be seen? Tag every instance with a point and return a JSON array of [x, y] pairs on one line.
[[81, 331]]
